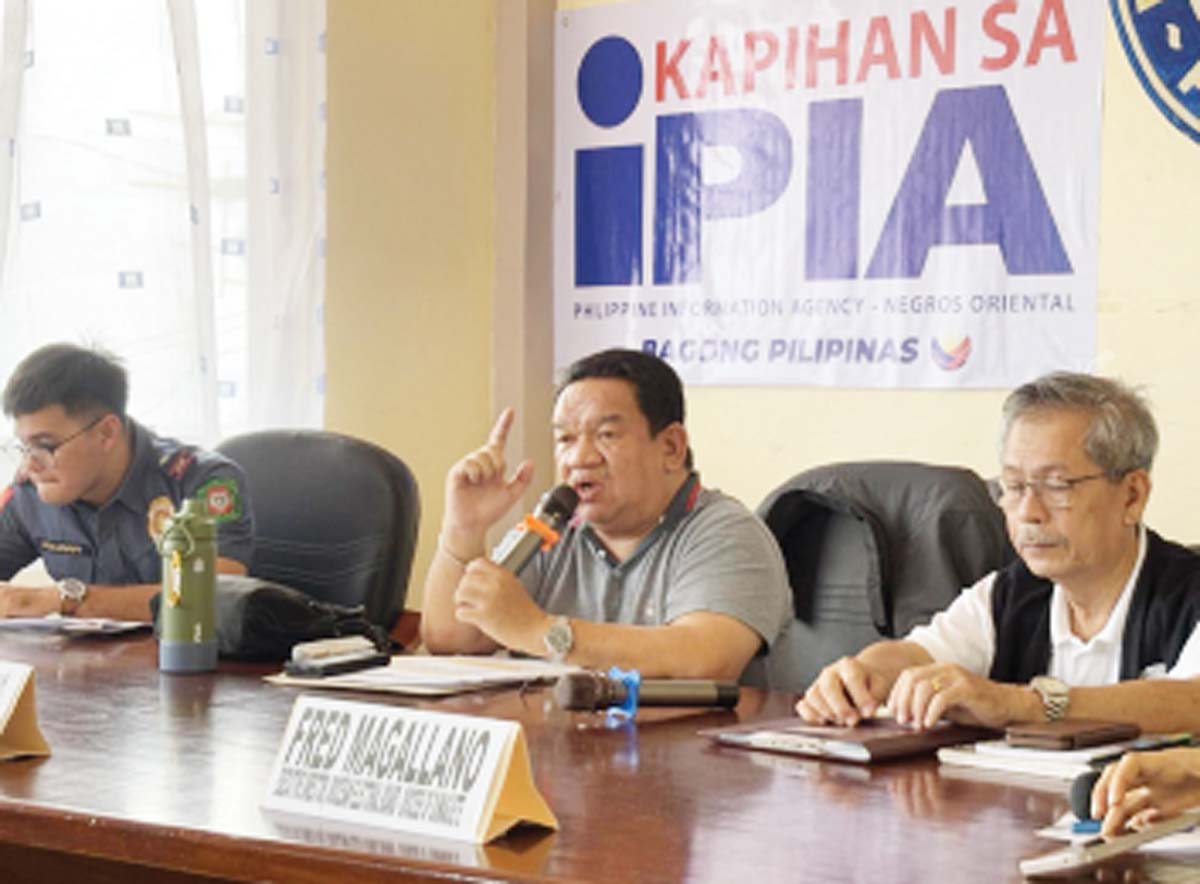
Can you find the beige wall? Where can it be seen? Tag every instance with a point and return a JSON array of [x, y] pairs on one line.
[[436, 224], [411, 254]]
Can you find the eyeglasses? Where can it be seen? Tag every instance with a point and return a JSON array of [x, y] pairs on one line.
[[42, 454], [1054, 493]]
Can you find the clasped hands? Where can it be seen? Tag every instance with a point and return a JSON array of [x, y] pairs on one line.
[[848, 691]]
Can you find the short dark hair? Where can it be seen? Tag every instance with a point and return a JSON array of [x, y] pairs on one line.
[[81, 380], [656, 387]]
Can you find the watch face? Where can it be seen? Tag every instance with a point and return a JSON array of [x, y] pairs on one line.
[[1049, 684], [559, 637], [72, 588]]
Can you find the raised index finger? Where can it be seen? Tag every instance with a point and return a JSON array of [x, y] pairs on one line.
[[499, 435]]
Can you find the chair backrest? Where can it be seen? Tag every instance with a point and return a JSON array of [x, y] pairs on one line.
[[334, 517], [873, 549]]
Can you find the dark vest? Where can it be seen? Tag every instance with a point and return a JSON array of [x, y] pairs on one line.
[[1162, 613]]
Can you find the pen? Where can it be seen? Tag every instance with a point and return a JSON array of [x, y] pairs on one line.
[[1145, 744]]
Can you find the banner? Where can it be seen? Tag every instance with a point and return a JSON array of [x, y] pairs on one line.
[[868, 193]]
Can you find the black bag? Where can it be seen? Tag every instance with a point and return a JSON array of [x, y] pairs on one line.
[[260, 620]]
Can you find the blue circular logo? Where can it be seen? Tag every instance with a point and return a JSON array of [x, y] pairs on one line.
[[610, 81], [1162, 40]]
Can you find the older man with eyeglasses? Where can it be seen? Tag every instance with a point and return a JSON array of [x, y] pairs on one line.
[[1097, 617], [94, 488]]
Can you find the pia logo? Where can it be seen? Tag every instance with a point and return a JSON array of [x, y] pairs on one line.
[[661, 178], [951, 358], [610, 186], [1162, 40]]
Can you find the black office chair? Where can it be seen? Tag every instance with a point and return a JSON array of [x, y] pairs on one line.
[[334, 517], [873, 549]]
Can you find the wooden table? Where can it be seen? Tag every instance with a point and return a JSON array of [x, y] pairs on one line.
[[158, 778]]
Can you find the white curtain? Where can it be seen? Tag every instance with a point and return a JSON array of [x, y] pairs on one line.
[[162, 196]]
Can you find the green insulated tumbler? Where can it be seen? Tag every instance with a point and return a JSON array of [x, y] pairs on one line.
[[187, 639]]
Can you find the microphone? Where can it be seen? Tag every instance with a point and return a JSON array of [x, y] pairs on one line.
[[539, 529], [1081, 794], [595, 690]]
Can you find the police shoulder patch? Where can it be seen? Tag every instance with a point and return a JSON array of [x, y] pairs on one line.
[[221, 498], [176, 465]]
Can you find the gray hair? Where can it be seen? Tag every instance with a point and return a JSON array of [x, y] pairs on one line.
[[1122, 436]]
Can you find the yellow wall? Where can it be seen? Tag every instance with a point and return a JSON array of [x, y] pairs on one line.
[[414, 221], [410, 250]]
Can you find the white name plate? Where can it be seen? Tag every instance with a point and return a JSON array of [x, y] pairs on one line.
[[429, 773], [19, 731]]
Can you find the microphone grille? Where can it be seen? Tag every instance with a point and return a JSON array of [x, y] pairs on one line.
[[578, 690], [1081, 794], [558, 505]]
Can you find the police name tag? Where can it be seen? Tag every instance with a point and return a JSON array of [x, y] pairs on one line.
[[19, 732], [429, 773]]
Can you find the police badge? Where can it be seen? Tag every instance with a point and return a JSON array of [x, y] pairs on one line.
[[157, 513]]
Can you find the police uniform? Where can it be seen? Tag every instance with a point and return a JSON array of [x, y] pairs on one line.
[[114, 544]]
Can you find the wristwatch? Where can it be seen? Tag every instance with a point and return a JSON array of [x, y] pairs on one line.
[[559, 639], [71, 593], [1055, 694]]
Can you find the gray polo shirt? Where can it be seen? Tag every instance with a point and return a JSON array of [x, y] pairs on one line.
[[112, 544], [707, 553]]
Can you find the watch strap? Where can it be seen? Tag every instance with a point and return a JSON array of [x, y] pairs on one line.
[[1055, 696]]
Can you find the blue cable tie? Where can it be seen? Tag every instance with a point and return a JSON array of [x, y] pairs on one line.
[[632, 681]]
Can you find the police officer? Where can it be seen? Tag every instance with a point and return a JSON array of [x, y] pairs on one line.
[[94, 488]]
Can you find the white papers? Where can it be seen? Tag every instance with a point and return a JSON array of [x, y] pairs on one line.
[[57, 623], [1058, 764], [1180, 842], [1025, 754], [433, 676]]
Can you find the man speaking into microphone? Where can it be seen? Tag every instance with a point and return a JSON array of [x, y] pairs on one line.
[[654, 572]]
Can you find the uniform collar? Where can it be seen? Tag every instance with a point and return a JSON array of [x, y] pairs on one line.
[[681, 504], [1114, 626], [141, 458]]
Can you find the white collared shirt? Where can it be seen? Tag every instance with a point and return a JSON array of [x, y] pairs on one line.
[[965, 634]]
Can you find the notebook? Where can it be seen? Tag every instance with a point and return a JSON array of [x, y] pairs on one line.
[[873, 740]]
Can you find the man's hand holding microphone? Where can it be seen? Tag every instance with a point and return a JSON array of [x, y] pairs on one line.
[[478, 494]]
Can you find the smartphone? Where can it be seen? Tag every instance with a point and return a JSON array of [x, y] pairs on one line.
[[1068, 861], [1070, 733]]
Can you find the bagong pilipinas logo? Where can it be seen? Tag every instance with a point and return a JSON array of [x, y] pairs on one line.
[[1162, 40], [951, 359]]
